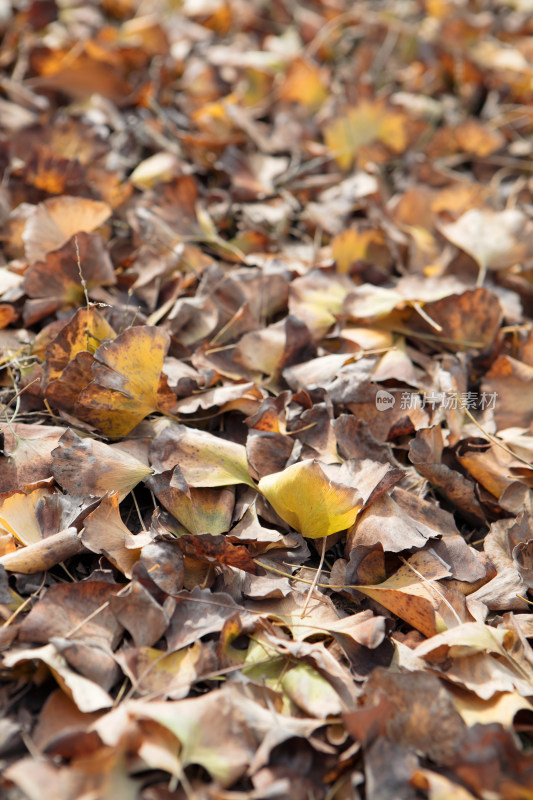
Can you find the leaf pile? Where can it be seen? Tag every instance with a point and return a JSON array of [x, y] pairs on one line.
[[266, 512]]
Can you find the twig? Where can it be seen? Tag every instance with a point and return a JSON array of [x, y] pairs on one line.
[[314, 582]]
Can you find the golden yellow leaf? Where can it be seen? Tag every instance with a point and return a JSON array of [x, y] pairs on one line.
[[352, 245], [18, 515], [125, 388], [304, 84], [364, 124], [310, 500], [84, 332]]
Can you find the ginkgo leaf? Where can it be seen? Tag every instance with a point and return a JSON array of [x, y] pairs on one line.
[[210, 731], [318, 298], [412, 594], [198, 509], [87, 695], [105, 533], [204, 459], [362, 125], [55, 281], [351, 245], [169, 674], [307, 497], [304, 83], [70, 356], [88, 467], [311, 691], [86, 330], [125, 388], [57, 219], [494, 239], [18, 515]]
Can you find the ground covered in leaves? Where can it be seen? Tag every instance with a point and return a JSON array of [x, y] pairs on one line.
[[266, 519]]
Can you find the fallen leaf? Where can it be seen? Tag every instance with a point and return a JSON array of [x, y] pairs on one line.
[[413, 595], [495, 239], [18, 514], [205, 460], [200, 510], [158, 673], [87, 695], [87, 467], [54, 221], [140, 614], [26, 457], [362, 125], [307, 496], [125, 388], [104, 532], [211, 729], [304, 84], [63, 276]]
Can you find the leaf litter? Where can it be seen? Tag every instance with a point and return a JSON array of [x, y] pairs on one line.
[[266, 417]]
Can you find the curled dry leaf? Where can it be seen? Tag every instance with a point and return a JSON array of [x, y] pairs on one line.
[[217, 550], [43, 554], [104, 532], [198, 509], [86, 694]]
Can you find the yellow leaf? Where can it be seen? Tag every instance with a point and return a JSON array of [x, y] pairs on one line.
[[85, 332], [18, 515], [362, 125], [352, 245], [304, 84], [126, 381], [306, 497]]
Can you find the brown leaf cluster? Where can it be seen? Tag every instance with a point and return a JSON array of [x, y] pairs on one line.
[[266, 394]]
